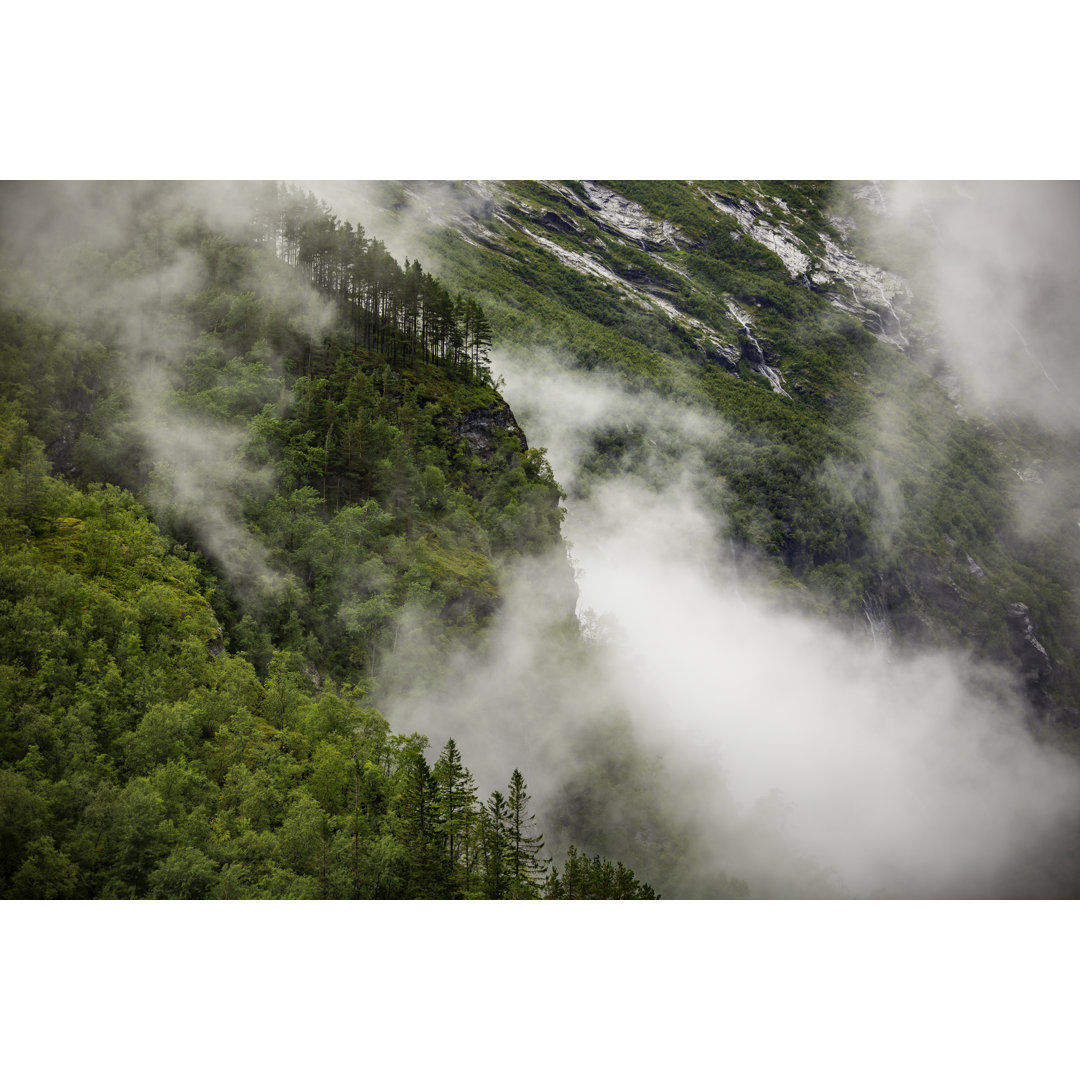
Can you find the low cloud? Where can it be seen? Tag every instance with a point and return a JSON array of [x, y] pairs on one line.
[[403, 215], [795, 756], [199, 476], [1000, 263]]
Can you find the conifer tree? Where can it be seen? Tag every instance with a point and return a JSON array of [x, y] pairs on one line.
[[494, 823], [422, 821], [526, 866], [553, 886], [456, 804], [481, 343]]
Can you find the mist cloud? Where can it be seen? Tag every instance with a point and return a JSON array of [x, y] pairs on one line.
[[405, 218], [805, 759], [1001, 264], [801, 758], [199, 476], [798, 757]]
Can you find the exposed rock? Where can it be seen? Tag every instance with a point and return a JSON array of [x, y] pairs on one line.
[[876, 613], [631, 220], [642, 277], [779, 239], [1023, 632], [893, 606], [576, 260], [479, 429], [872, 294], [551, 220], [1035, 666], [649, 292], [752, 350], [876, 296], [727, 355]]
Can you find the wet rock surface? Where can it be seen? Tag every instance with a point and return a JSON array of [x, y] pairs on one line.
[[630, 220], [1035, 665], [483, 429]]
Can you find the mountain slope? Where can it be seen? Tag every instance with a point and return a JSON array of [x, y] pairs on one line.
[[851, 462], [333, 482], [825, 633]]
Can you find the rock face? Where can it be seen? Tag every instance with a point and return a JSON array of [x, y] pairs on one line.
[[817, 262], [1035, 666], [752, 351], [894, 611], [906, 607], [551, 220], [708, 294], [631, 220], [875, 296], [483, 429], [779, 239]]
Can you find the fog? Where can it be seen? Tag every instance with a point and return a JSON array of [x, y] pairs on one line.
[[403, 215], [729, 733], [199, 477], [998, 264], [803, 759]]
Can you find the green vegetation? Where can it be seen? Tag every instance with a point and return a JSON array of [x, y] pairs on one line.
[[594, 879], [255, 485], [250, 471], [863, 477], [142, 759]]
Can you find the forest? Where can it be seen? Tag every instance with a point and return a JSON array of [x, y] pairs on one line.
[[232, 458], [776, 598], [336, 515]]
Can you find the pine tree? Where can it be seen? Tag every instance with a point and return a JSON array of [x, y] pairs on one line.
[[595, 878], [553, 886], [495, 852], [476, 336], [574, 882], [526, 866], [456, 803], [421, 818]]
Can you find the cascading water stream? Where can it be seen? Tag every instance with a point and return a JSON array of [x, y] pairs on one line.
[[762, 366]]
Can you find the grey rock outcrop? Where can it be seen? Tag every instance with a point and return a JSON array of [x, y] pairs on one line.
[[1035, 665], [481, 430]]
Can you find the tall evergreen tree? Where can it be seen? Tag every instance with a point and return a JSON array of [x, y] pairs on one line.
[[526, 866], [495, 852], [456, 802], [481, 344], [422, 821]]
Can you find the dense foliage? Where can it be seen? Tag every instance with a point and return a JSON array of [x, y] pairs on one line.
[[143, 759], [258, 484], [402, 313], [252, 470]]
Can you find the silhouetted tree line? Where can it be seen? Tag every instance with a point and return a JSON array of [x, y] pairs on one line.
[[401, 312]]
